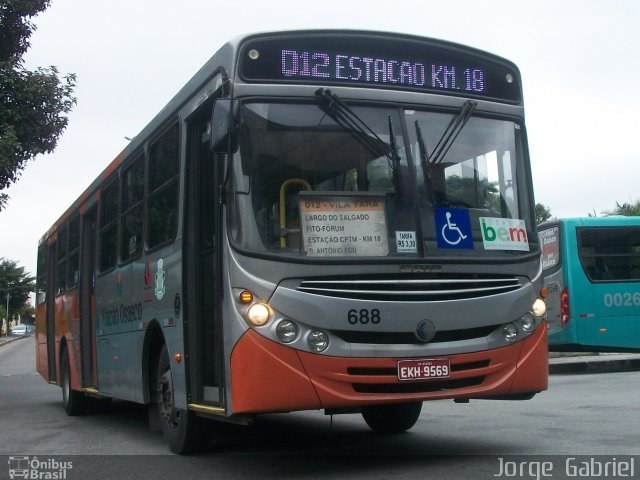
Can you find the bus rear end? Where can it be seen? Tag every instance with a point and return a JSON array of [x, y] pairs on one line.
[[594, 301]]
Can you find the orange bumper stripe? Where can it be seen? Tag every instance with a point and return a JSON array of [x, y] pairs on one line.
[[269, 377]]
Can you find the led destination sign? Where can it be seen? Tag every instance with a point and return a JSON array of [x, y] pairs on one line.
[[300, 64], [380, 61]]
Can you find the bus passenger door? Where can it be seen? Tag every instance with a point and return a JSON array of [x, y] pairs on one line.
[[201, 275], [87, 284]]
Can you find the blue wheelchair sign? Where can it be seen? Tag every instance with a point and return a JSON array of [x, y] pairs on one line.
[[453, 228]]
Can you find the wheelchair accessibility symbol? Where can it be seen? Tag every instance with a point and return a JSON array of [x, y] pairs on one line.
[[454, 228]]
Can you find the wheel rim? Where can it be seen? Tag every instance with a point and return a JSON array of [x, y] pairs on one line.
[[66, 386], [165, 399]]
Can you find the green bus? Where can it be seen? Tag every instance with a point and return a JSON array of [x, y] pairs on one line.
[[592, 273]]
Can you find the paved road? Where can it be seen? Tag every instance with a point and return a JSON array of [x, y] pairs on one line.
[[581, 414]]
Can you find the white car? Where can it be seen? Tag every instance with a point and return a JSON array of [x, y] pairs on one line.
[[20, 330]]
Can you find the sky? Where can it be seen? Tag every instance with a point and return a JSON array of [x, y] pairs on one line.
[[579, 62]]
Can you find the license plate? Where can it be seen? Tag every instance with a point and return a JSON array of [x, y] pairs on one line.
[[424, 369]]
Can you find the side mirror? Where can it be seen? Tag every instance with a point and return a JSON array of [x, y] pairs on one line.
[[224, 131]]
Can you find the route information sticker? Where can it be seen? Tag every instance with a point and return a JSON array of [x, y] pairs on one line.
[[343, 226]]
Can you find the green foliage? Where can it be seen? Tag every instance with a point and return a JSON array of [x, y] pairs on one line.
[[626, 209], [33, 104], [543, 213], [472, 193], [15, 28], [17, 283]]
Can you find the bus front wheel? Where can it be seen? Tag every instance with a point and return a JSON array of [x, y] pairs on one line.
[[183, 431], [392, 418]]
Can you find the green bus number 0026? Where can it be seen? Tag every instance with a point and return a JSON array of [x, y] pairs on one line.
[[622, 299]]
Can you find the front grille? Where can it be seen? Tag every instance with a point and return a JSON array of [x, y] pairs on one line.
[[384, 379], [392, 371], [390, 338], [417, 387], [411, 288]]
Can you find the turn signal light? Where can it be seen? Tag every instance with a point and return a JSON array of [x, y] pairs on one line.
[[246, 297], [564, 307]]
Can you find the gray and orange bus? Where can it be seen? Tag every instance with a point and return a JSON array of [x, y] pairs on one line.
[[319, 220]]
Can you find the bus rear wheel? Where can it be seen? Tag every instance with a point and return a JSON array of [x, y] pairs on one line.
[[183, 431], [75, 403], [392, 418]]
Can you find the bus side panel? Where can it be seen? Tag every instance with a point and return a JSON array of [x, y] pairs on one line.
[[601, 314], [42, 366], [554, 284], [568, 335], [114, 338], [60, 321], [606, 314], [533, 365], [268, 377], [561, 337], [71, 332], [128, 300]]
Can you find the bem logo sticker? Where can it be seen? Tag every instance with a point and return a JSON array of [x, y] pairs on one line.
[[504, 234]]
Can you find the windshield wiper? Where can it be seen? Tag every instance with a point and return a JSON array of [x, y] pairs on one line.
[[447, 139], [344, 116], [452, 131], [424, 162]]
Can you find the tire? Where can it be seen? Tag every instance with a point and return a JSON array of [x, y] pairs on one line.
[[392, 418], [183, 431], [75, 403]]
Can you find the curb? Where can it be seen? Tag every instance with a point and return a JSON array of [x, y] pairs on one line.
[[6, 340], [594, 363]]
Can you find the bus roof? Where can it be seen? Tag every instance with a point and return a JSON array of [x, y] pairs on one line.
[[609, 221]]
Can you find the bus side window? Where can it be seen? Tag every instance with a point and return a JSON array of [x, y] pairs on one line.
[[109, 226], [131, 216], [602, 269], [587, 258], [163, 188]]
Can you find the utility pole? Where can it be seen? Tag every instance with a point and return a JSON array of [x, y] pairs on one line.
[[8, 297]]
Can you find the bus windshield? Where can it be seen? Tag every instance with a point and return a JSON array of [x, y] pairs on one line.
[[308, 185]]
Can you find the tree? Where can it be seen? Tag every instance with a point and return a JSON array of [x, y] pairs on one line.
[[543, 213], [626, 209], [33, 104], [18, 285]]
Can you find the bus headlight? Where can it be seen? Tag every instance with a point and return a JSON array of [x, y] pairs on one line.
[[528, 322], [259, 314], [510, 332], [539, 308], [287, 331], [318, 341]]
